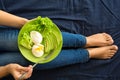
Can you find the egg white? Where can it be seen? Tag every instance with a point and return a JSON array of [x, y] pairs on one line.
[[36, 37], [38, 50]]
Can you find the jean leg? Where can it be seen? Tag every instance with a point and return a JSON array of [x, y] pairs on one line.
[[12, 57], [67, 57], [73, 40], [8, 39]]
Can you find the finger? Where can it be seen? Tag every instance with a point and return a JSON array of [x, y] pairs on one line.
[[23, 69], [29, 73]]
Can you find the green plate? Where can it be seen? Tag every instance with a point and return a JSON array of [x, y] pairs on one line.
[[52, 39]]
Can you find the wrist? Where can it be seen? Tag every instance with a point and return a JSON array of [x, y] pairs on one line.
[[4, 71], [7, 69], [21, 22]]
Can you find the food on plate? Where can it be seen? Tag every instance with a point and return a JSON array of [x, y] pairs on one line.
[[38, 50], [39, 38], [26, 41], [36, 37]]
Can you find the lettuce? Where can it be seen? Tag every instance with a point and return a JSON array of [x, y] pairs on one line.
[[26, 41]]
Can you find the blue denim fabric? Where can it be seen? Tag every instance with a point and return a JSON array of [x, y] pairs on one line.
[[76, 16], [73, 40], [8, 39], [9, 49]]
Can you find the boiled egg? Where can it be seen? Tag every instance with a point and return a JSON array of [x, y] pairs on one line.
[[36, 37], [38, 50]]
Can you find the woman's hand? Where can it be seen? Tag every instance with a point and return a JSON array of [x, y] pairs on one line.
[[17, 70]]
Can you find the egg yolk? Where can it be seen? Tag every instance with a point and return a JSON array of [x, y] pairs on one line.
[[39, 48]]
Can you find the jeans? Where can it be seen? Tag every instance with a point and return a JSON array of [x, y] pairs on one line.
[[71, 52]]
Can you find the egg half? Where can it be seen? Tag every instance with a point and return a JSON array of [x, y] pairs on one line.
[[38, 50], [36, 37]]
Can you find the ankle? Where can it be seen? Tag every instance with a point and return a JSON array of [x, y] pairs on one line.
[[87, 42]]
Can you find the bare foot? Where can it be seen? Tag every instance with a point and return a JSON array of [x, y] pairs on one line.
[[100, 39], [106, 52]]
